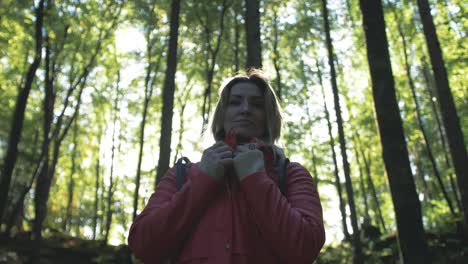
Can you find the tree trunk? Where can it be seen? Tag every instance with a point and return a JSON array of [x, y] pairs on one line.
[[314, 166], [310, 123], [48, 108], [358, 257], [420, 180], [181, 129], [363, 187], [420, 173], [50, 74], [371, 185], [148, 94], [252, 29], [359, 151], [18, 116], [276, 54], [103, 209], [17, 213], [44, 179], [110, 189], [211, 61], [395, 153], [182, 104], [335, 161], [15, 219], [110, 196], [168, 94], [427, 145], [236, 41], [71, 180], [429, 88], [447, 107], [96, 186]]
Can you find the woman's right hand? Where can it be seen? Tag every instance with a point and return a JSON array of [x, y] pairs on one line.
[[215, 159]]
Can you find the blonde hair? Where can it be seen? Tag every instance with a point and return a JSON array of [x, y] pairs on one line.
[[271, 106]]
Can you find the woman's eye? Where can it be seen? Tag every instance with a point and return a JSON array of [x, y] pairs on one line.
[[257, 104], [234, 102]]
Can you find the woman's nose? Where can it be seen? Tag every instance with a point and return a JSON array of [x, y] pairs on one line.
[[245, 107]]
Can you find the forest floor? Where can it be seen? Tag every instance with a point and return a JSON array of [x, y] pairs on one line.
[[443, 248], [62, 249], [71, 250]]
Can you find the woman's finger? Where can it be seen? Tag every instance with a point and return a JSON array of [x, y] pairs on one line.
[[227, 162], [225, 154], [222, 148], [217, 145], [245, 147]]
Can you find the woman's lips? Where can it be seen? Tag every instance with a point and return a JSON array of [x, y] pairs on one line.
[[244, 121]]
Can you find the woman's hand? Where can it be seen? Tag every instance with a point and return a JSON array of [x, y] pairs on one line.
[[215, 159], [248, 160]]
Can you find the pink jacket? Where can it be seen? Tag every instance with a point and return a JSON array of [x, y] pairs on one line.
[[250, 222]]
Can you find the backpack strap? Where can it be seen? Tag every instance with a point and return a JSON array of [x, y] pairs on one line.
[[282, 165], [180, 171]]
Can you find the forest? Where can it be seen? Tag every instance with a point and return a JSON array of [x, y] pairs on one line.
[[99, 98]]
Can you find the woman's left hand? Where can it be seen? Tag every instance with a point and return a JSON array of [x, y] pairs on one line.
[[248, 160]]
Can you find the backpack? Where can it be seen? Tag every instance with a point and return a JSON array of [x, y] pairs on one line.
[[181, 166]]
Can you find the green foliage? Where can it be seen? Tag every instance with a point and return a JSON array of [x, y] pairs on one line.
[[135, 48]]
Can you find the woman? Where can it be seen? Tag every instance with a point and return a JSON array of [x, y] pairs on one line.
[[230, 209]]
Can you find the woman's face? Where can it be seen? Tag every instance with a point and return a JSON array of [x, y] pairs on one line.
[[245, 112]]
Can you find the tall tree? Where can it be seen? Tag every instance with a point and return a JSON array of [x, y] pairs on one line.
[[66, 224], [276, 54], [152, 67], [17, 213], [335, 160], [370, 183], [419, 116], [420, 175], [168, 93], [358, 257], [96, 183], [111, 187], [63, 123], [237, 28], [20, 107], [362, 186], [395, 153], [183, 100], [447, 107], [212, 50], [252, 29], [429, 83]]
